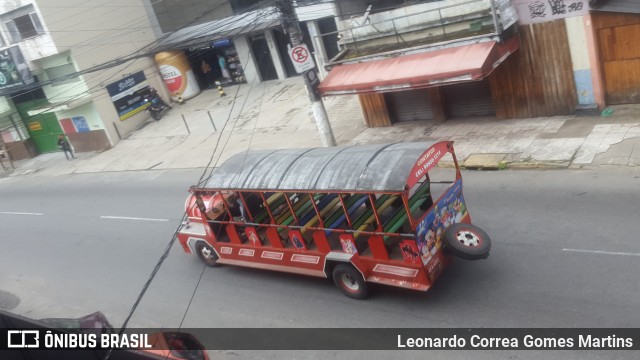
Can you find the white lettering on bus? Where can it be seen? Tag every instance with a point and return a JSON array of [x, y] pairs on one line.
[[427, 164]]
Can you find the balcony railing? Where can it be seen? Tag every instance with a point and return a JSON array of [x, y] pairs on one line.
[[388, 33]]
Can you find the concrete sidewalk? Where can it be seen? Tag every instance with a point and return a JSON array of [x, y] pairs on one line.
[[275, 114]]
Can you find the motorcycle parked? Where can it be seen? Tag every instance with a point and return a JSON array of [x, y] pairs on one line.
[[157, 107]]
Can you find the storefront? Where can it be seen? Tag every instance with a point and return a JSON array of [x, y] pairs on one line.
[[218, 61], [437, 85]]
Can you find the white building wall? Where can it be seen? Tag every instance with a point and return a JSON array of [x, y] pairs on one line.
[[246, 59], [316, 11], [61, 92], [275, 55], [32, 48], [103, 34], [320, 53]]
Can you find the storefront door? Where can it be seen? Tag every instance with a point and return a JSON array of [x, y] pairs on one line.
[[262, 55]]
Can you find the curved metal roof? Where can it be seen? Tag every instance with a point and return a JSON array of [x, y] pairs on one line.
[[379, 167]]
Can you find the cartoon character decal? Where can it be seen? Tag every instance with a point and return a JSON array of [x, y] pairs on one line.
[[252, 234], [410, 251], [296, 239], [449, 210], [348, 245]]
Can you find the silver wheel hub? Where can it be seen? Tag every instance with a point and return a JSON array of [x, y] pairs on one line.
[[468, 238], [350, 282], [206, 252]]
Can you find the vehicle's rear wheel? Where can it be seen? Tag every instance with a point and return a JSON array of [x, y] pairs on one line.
[[350, 281], [467, 241], [207, 254]]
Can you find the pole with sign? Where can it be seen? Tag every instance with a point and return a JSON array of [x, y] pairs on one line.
[[303, 63], [301, 58]]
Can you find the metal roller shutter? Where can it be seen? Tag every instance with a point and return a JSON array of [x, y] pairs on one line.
[[468, 99], [411, 105]]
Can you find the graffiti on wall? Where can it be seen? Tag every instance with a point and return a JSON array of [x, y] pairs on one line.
[[535, 11]]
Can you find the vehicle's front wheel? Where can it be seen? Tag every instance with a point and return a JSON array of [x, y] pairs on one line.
[[155, 115], [467, 241], [350, 281], [207, 254]]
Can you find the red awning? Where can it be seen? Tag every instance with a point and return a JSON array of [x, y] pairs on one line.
[[444, 66]]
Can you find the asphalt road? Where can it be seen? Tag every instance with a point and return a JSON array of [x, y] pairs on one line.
[[565, 254]]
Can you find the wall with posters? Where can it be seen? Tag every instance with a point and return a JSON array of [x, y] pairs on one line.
[[84, 128]]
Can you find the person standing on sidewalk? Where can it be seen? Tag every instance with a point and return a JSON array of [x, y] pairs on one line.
[[63, 144], [223, 67]]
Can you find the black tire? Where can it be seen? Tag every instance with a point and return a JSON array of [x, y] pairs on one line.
[[207, 254], [467, 241], [350, 281], [155, 115]]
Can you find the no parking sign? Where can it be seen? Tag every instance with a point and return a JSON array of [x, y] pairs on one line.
[[301, 58]]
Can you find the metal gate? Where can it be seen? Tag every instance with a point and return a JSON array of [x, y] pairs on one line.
[[468, 99], [43, 128], [411, 105]]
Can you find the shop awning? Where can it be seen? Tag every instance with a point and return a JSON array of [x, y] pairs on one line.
[[235, 25], [433, 68]]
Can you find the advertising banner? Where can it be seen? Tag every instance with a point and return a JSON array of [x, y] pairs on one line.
[[13, 68], [128, 94]]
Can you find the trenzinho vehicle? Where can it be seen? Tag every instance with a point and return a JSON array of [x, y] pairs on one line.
[[358, 214]]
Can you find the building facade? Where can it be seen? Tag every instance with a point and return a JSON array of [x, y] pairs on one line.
[[61, 59], [247, 34], [499, 59]]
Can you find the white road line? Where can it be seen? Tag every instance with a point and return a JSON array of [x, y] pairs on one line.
[[602, 252], [131, 218], [20, 213]]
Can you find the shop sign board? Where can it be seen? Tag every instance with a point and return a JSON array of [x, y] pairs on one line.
[[128, 94], [14, 70]]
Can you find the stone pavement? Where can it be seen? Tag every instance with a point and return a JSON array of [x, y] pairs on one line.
[[275, 114]]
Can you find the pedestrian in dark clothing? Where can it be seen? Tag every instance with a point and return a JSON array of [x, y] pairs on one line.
[[64, 145]]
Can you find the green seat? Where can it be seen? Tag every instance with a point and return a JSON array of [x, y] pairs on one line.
[[273, 202], [396, 221], [369, 217]]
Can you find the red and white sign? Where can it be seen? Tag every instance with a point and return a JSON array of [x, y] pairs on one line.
[[427, 161], [301, 58], [172, 77]]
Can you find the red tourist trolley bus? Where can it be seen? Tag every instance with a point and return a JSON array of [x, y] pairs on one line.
[[369, 213]]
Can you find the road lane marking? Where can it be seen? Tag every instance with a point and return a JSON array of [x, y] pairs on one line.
[[131, 218], [20, 213], [602, 252]]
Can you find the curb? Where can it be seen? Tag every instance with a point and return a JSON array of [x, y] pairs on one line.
[[543, 165]]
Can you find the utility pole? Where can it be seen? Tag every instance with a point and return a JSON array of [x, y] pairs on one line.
[[311, 80]]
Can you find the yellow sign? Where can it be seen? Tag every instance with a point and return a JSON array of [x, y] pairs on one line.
[[34, 126]]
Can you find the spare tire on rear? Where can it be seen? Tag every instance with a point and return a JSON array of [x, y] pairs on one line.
[[467, 241]]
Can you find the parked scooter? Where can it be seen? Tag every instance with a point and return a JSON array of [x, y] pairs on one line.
[[156, 107]]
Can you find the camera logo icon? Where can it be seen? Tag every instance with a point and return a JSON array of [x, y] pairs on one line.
[[20, 339]]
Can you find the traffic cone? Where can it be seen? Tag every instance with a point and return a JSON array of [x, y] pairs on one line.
[[220, 89]]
